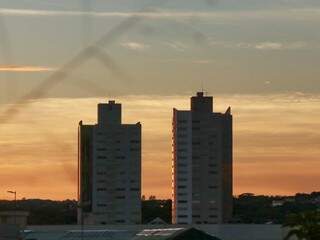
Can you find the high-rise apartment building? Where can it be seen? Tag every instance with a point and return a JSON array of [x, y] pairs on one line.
[[109, 155], [202, 164]]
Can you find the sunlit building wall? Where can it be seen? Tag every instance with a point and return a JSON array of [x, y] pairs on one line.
[[202, 164], [109, 169]]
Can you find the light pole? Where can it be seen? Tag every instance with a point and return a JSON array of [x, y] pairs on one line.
[[15, 204]]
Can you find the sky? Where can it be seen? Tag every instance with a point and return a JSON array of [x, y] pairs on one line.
[[58, 59]]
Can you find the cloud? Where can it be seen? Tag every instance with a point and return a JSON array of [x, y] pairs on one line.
[[282, 46], [299, 14], [267, 45], [135, 46], [267, 82], [178, 46], [25, 68], [186, 61], [151, 14], [201, 61]]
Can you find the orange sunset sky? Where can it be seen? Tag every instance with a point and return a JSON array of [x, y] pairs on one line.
[[276, 143], [259, 57]]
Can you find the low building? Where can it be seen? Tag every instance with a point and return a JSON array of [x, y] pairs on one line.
[[9, 232], [173, 234], [128, 232], [282, 201], [157, 221], [94, 234], [278, 203], [19, 218]]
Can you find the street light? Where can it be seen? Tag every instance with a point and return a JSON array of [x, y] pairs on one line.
[[15, 204]]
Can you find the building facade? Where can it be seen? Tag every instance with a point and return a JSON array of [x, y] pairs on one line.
[[109, 172], [202, 164]]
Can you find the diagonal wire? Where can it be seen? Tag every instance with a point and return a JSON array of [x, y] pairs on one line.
[[57, 77], [80, 58], [61, 74], [108, 62]]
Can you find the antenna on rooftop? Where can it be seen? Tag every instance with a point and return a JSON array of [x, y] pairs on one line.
[[203, 88]]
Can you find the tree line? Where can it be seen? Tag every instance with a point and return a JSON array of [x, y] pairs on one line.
[[248, 208]]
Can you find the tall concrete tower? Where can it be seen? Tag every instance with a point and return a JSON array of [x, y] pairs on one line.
[[202, 164], [109, 169]]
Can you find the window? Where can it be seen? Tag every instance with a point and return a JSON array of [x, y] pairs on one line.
[[101, 149], [182, 179], [182, 165], [182, 194], [102, 205], [182, 209], [182, 135], [120, 197], [182, 121]]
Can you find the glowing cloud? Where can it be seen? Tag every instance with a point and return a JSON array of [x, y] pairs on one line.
[[284, 46], [16, 68], [269, 46], [135, 46], [222, 15]]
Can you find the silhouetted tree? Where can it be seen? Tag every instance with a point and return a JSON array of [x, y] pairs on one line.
[[152, 209], [152, 197], [305, 226]]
